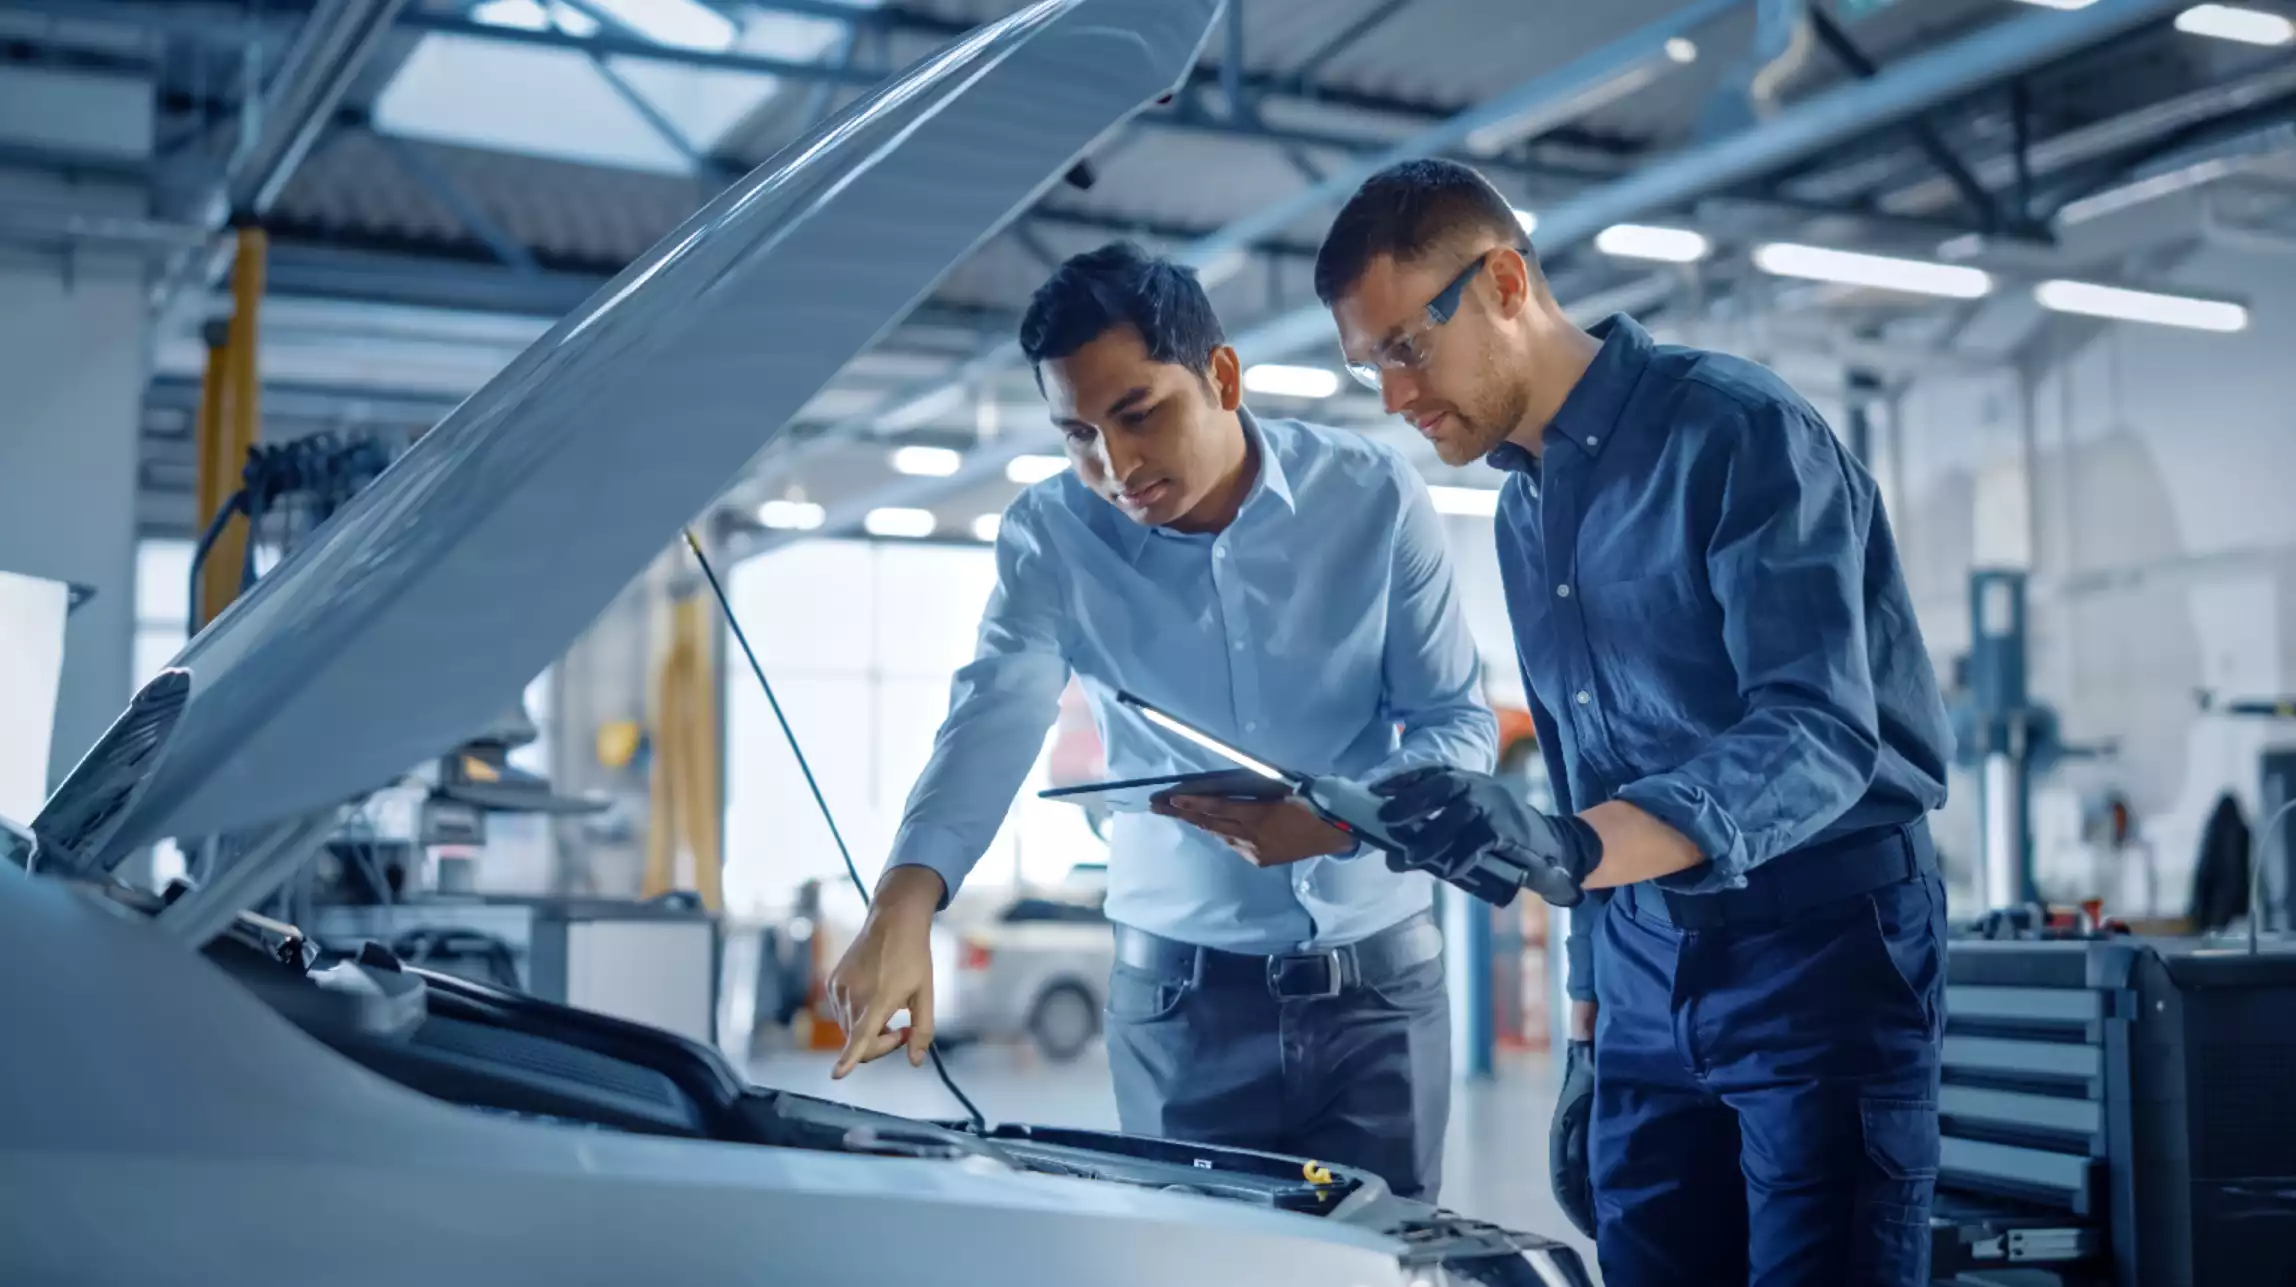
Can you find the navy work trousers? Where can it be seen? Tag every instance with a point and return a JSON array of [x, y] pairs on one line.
[[1361, 1079], [1765, 1106]]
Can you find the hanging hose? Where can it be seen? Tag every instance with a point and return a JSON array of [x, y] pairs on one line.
[[725, 606], [319, 473]]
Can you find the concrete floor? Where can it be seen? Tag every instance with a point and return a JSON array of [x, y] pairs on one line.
[[1495, 1161]]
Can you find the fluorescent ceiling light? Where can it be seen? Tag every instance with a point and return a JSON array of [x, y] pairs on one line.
[[1467, 502], [1682, 49], [2231, 22], [2092, 300], [1529, 221], [1848, 268], [791, 515], [894, 520], [1034, 469], [1648, 241], [985, 527], [1291, 381], [2061, 4], [1222, 266], [928, 462]]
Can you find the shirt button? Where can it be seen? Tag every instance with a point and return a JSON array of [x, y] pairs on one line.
[[1239, 645], [1220, 553], [1252, 727], [1562, 592], [1591, 440], [1583, 697]]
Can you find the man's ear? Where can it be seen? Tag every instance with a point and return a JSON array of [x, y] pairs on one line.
[[1514, 280], [1227, 377]]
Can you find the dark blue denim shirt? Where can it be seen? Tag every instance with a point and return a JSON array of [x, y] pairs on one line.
[[1710, 615]]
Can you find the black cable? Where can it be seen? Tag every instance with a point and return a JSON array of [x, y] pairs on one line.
[[725, 606]]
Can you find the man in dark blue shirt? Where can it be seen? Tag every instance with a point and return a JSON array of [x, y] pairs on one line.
[[1744, 736]]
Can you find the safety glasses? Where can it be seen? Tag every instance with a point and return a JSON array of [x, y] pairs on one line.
[[1408, 351]]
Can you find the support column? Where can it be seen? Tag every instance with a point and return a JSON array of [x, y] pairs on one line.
[[72, 360], [72, 369]]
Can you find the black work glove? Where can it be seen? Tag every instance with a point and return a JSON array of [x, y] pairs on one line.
[[1567, 1162], [1474, 831]]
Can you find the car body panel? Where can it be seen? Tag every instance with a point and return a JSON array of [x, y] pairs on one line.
[[523, 513], [146, 1086]]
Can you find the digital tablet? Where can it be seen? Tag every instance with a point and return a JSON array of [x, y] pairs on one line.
[[1134, 795]]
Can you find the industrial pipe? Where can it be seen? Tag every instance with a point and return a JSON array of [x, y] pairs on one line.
[[1920, 83]]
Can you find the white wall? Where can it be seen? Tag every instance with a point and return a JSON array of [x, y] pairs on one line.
[[71, 362], [860, 639], [72, 370], [2154, 510]]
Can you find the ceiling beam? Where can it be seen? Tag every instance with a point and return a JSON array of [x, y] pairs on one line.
[[1539, 94], [1934, 77]]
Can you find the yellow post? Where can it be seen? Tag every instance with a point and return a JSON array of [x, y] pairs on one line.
[[216, 477], [231, 415], [687, 812]]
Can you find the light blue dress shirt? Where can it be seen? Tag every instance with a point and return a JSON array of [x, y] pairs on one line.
[[1321, 630]]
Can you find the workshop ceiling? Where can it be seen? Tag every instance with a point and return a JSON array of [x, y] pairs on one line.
[[495, 158]]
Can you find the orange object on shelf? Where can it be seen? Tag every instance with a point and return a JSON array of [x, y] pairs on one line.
[[818, 1028]]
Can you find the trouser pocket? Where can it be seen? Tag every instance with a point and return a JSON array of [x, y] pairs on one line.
[[1894, 1196]]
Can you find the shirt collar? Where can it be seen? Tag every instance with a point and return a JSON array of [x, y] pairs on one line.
[[1589, 416], [1271, 483]]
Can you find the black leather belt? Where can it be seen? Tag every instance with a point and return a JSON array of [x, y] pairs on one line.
[[1857, 863], [1326, 972]]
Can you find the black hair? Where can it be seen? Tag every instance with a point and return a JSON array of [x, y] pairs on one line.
[[1122, 285], [1407, 210]]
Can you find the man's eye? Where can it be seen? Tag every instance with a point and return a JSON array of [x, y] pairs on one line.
[[1077, 433]]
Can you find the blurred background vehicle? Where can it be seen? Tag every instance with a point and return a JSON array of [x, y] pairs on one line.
[[1035, 969]]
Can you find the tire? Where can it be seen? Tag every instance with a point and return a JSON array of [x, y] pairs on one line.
[[1063, 1022]]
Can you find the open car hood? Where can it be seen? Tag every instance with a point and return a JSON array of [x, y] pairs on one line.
[[418, 611]]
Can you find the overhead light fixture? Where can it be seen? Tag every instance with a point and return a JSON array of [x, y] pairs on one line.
[[894, 520], [1282, 381], [985, 527], [2121, 304], [928, 462], [1529, 221], [1465, 502], [791, 515], [1883, 272], [1648, 241], [2231, 22], [1034, 469], [1222, 266], [1682, 49], [2066, 5]]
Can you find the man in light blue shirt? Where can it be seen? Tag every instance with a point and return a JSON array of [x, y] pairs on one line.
[[1278, 584]]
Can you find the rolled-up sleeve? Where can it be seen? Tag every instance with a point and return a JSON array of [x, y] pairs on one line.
[[1430, 669], [1785, 563], [1001, 705]]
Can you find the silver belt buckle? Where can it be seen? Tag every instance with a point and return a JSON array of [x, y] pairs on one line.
[[1279, 967]]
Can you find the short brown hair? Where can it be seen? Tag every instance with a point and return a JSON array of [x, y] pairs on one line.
[[1407, 210]]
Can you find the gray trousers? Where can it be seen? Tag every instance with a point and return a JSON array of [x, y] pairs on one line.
[[1361, 1079]]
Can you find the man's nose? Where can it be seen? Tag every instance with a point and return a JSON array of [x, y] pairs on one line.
[[1397, 390], [1120, 459]]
